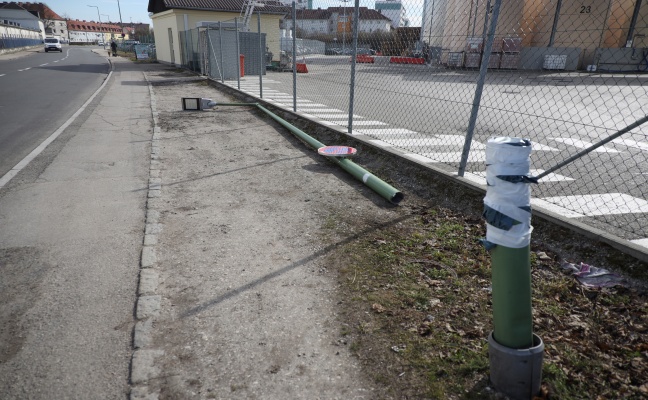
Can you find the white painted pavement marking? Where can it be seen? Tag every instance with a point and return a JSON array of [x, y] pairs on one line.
[[583, 145], [3, 74], [541, 147], [386, 131], [600, 204], [25, 69], [42, 65], [446, 140], [25, 161], [371, 123], [314, 105], [325, 110], [334, 116], [283, 100], [632, 143], [641, 242], [455, 156], [555, 208]]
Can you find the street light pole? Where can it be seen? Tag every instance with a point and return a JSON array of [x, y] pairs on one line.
[[104, 36], [120, 19], [345, 24], [97, 7]]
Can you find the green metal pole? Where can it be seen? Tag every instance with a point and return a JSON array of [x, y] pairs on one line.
[[376, 184], [508, 232], [511, 278]]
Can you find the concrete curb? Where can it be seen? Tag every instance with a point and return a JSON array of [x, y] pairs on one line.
[[143, 362]]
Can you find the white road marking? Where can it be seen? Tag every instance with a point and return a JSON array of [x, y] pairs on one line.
[[455, 156], [541, 147], [42, 65], [335, 116], [386, 131], [641, 242], [314, 105], [25, 161], [583, 145], [600, 204], [555, 208], [24, 69], [632, 143], [371, 123], [324, 110]]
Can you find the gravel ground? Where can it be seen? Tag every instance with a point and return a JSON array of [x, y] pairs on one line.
[[248, 307]]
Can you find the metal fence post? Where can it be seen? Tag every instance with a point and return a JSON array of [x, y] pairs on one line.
[[483, 69], [220, 39], [261, 61], [354, 53], [294, 55], [238, 55], [554, 27], [208, 61]]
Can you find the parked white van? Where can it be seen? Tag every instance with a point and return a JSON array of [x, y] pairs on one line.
[[53, 44]]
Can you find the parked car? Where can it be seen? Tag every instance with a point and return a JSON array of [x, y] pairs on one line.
[[100, 43], [53, 44]]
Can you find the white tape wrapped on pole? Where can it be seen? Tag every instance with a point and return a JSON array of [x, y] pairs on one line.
[[508, 199]]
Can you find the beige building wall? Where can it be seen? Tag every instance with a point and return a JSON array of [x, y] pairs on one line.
[[537, 20], [585, 24], [175, 19], [581, 24], [466, 19], [619, 25], [165, 50]]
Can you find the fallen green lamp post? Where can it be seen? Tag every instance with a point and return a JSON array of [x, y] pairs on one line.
[[381, 187]]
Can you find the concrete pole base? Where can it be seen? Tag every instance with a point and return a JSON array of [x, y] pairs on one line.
[[516, 373]]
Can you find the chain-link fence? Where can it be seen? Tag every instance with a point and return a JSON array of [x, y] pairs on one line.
[[143, 47], [437, 81]]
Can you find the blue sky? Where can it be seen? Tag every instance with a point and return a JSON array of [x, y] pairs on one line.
[[78, 9]]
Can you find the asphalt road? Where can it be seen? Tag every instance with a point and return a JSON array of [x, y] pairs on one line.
[[40, 92]]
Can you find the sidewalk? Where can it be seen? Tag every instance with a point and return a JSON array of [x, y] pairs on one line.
[[72, 227]]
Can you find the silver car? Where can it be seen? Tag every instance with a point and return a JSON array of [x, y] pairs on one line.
[[53, 44]]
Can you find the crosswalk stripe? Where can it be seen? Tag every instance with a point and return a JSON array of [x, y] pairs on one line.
[[583, 145], [455, 156], [600, 204], [385, 131], [641, 242], [370, 123], [632, 143]]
